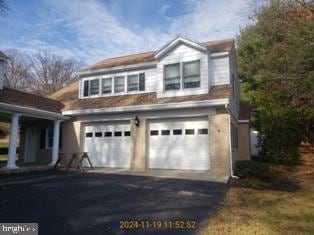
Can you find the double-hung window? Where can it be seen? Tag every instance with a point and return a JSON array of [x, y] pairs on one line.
[[182, 75], [191, 74], [106, 85], [118, 84], [172, 79], [94, 87], [136, 82], [133, 83]]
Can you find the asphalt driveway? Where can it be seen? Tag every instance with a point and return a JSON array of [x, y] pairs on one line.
[[74, 203]]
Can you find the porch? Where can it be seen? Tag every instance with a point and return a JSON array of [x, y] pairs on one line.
[[26, 127]]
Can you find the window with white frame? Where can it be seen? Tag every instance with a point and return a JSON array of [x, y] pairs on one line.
[[106, 85], [119, 84], [46, 138], [176, 78], [172, 78], [191, 74], [94, 87], [136, 82], [133, 83]]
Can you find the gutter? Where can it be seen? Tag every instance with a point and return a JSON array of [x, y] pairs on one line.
[[230, 147], [33, 112], [155, 107]]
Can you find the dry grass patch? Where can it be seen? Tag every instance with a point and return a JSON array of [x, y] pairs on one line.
[[286, 209]]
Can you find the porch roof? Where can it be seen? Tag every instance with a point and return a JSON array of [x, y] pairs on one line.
[[25, 99], [27, 104]]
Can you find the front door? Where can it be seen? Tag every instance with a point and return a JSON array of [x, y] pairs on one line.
[[31, 144]]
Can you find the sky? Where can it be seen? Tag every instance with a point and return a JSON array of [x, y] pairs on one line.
[[92, 30]]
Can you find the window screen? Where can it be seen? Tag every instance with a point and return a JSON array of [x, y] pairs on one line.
[[106, 85], [133, 82], [94, 87], [118, 84], [191, 74], [172, 77]]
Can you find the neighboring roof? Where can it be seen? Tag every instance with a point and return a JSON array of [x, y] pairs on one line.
[[245, 111], [213, 46], [2, 56], [69, 97], [21, 98]]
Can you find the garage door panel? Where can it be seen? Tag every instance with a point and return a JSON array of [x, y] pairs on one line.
[[109, 150], [187, 150]]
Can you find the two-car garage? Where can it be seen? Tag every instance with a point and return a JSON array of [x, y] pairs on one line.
[[172, 144]]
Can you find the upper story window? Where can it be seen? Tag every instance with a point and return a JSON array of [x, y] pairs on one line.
[[86, 88], [106, 85], [191, 74], [176, 78], [172, 78], [136, 82], [119, 84], [94, 87], [133, 83]]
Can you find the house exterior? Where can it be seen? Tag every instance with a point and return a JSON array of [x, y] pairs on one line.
[[177, 108]]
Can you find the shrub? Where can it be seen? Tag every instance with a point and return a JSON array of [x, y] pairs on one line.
[[255, 169], [280, 137]]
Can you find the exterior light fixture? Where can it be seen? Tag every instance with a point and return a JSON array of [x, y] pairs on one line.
[[137, 121]]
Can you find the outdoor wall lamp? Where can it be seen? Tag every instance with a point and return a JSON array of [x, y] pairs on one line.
[[137, 121]]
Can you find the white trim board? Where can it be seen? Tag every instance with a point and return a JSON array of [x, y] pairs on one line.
[[150, 115], [31, 112], [154, 107], [180, 39]]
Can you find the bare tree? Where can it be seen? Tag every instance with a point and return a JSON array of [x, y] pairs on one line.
[[17, 70], [3, 7], [51, 72]]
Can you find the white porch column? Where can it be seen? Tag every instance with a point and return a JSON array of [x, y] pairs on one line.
[[55, 145], [14, 126]]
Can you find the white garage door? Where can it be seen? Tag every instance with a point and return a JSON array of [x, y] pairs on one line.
[[179, 144], [108, 145]]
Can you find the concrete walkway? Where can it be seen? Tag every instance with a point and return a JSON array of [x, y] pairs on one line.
[[171, 174]]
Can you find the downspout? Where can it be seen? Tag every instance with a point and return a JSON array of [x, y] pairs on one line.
[[230, 147]]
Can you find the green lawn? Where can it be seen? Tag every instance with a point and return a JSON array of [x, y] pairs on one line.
[[4, 143], [288, 209]]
